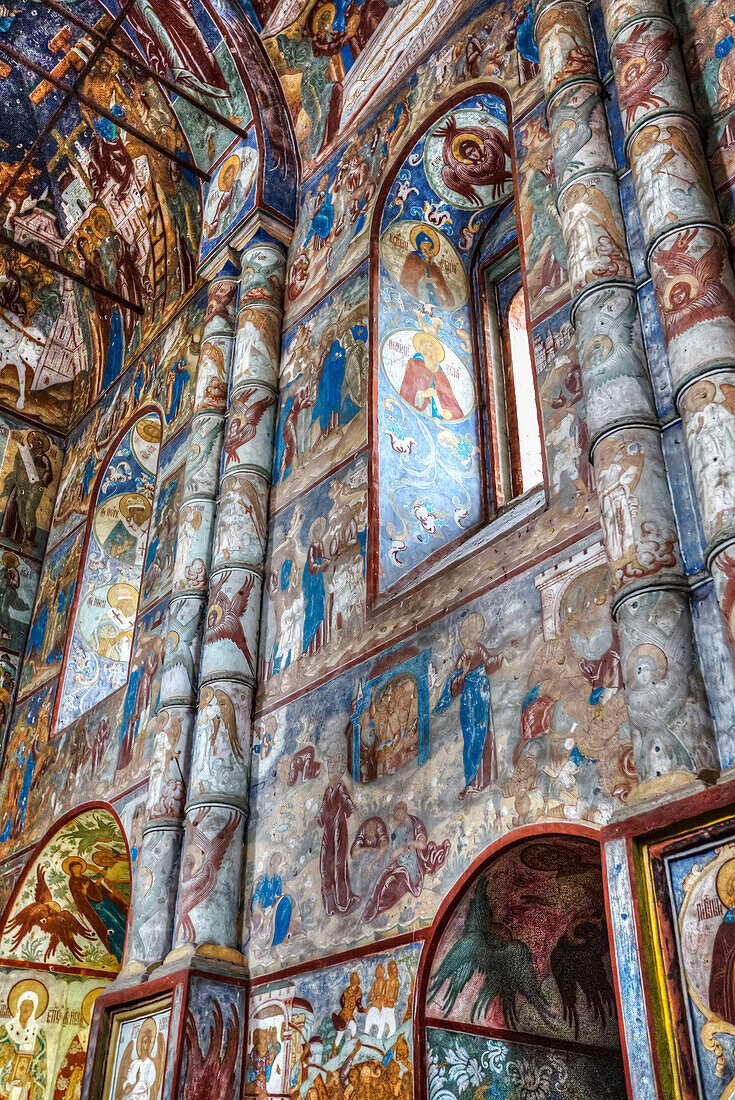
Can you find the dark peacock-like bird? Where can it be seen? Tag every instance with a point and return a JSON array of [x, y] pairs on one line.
[[490, 949]]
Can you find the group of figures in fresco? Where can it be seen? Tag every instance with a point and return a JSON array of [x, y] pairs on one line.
[[345, 1032], [507, 721]]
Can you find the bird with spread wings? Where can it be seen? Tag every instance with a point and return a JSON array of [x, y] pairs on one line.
[[223, 619], [243, 425], [489, 949], [45, 914], [201, 865]]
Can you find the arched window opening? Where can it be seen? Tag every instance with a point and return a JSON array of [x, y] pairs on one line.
[[513, 412], [100, 642], [517, 984], [455, 426]]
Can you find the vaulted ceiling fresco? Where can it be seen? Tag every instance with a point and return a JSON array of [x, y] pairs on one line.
[[113, 117]]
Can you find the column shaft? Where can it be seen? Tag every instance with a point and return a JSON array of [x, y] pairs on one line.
[[670, 722], [211, 862], [158, 862], [687, 255]]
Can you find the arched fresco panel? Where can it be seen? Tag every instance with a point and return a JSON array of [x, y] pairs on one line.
[[62, 940], [429, 394], [69, 913], [98, 657], [520, 987]]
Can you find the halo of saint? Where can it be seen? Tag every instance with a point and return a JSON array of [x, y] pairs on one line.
[[106, 619], [145, 441], [229, 190], [425, 264], [428, 375], [120, 526]]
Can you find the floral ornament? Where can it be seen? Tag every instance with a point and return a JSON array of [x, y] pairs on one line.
[[537, 1080]]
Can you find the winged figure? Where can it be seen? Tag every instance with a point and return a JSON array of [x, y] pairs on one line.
[[223, 620], [47, 915], [474, 156], [213, 1073], [242, 426], [578, 961], [658, 684], [141, 1067], [200, 451], [220, 713], [694, 289], [491, 950], [201, 865], [641, 66]]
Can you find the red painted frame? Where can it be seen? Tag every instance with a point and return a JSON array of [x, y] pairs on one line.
[[37, 851], [138, 997], [653, 826], [445, 912]]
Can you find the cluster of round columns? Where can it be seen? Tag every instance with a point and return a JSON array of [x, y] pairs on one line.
[[671, 725], [188, 876]]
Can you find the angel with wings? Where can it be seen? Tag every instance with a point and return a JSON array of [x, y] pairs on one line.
[[710, 432], [640, 65], [667, 161], [200, 867], [141, 1066], [690, 284]]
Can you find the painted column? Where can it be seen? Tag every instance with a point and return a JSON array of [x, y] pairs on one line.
[[211, 862], [157, 870], [671, 726], [688, 258]]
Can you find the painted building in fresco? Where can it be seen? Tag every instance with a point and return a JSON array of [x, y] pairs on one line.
[[367, 550]]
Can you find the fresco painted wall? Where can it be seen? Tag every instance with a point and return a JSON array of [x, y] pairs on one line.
[[345, 1026], [431, 466], [701, 899], [29, 477], [101, 636], [44, 1033], [99, 743], [462, 1065], [507, 712]]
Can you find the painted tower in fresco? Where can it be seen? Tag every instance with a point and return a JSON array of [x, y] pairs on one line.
[[367, 552]]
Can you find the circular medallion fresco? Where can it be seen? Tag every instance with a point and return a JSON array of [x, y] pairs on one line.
[[428, 375], [467, 159], [425, 264], [145, 440], [106, 619]]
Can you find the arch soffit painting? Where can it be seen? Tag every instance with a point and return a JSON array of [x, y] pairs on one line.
[[68, 911]]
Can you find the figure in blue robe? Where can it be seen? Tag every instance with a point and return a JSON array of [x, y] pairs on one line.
[[329, 389], [178, 377], [312, 584], [114, 360], [281, 443], [103, 908], [471, 681], [38, 631], [321, 223], [88, 476], [277, 908]]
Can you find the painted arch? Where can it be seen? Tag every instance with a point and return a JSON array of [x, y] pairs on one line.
[[68, 913]]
